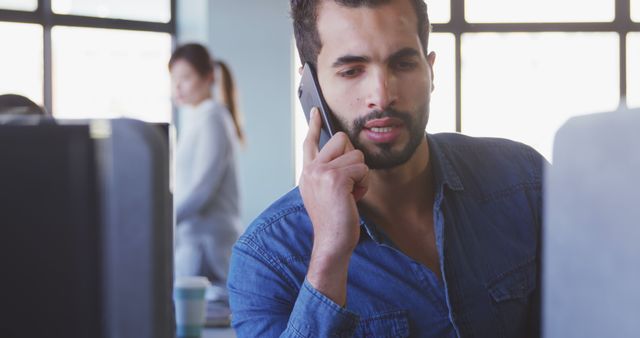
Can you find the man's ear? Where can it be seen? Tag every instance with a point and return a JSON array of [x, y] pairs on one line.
[[431, 60]]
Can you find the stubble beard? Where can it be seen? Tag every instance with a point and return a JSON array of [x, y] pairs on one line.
[[383, 156]]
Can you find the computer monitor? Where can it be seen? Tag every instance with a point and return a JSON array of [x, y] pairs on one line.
[[86, 237], [591, 250]]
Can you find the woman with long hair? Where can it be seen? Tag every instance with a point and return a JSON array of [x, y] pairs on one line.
[[206, 187]]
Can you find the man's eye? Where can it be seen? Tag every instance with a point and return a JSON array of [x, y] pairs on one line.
[[351, 72], [406, 65]]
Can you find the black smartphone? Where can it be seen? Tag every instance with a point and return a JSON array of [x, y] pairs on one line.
[[310, 96]]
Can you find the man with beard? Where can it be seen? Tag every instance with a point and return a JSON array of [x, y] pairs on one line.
[[392, 233]]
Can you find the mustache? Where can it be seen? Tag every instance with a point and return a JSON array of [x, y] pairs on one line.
[[359, 123]]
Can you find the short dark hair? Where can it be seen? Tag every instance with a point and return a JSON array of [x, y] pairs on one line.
[[14, 104], [305, 27]]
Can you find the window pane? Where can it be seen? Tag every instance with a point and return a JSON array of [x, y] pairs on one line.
[[523, 86], [21, 5], [539, 10], [633, 70], [442, 116], [144, 10], [21, 60], [102, 73], [439, 10], [635, 10]]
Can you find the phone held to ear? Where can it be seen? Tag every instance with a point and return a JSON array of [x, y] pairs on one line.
[[310, 96]]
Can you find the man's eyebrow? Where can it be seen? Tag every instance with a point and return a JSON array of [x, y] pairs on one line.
[[347, 59], [404, 53]]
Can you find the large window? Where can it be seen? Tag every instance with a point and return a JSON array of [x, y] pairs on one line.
[[89, 58], [442, 117], [21, 66], [23, 5], [492, 11], [523, 86], [110, 73], [144, 10], [525, 67], [439, 11]]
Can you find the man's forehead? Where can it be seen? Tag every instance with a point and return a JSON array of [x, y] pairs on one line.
[[333, 14], [349, 29]]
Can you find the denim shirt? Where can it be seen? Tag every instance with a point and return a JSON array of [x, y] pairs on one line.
[[487, 219]]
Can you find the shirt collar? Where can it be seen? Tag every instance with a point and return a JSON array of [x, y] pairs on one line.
[[444, 172]]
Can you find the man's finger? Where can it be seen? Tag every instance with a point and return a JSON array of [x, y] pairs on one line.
[[347, 159], [310, 145], [358, 173], [338, 144]]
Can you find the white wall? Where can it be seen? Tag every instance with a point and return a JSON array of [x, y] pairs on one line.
[[192, 21], [254, 38]]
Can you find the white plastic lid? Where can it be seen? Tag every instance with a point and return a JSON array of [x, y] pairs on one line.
[[195, 282]]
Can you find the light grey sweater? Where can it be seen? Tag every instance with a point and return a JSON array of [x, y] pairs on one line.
[[206, 185]]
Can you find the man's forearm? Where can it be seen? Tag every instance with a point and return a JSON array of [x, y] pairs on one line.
[[328, 275]]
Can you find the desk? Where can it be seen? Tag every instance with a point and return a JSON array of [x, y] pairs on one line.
[[219, 333]]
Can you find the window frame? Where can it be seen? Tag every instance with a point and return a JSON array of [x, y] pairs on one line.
[[45, 17], [458, 26]]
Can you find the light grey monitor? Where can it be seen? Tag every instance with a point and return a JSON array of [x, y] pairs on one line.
[[137, 236], [591, 236]]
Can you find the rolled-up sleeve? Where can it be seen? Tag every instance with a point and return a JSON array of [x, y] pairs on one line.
[[266, 302], [315, 315]]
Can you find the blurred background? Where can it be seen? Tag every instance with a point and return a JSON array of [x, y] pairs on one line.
[[504, 68]]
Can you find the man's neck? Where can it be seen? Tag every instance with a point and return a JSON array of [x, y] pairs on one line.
[[403, 190]]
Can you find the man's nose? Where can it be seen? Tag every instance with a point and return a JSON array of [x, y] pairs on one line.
[[383, 90]]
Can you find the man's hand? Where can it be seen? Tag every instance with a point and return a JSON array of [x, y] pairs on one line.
[[332, 181]]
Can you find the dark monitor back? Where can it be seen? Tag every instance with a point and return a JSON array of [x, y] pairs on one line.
[[49, 233], [85, 230]]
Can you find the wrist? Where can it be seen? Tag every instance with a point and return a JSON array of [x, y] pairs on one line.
[[328, 275]]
